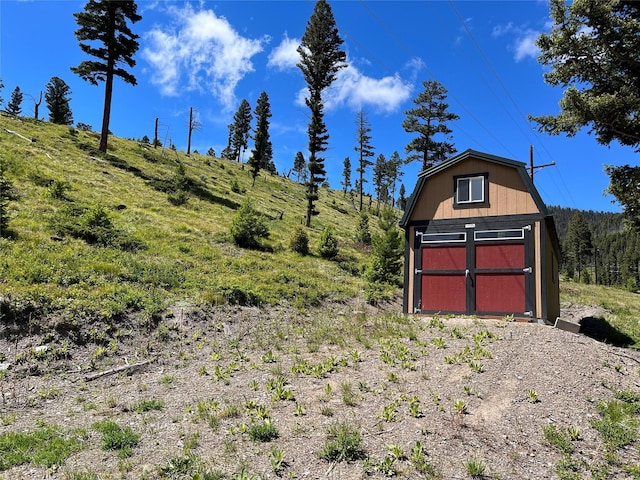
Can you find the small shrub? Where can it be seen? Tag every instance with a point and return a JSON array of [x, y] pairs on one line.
[[299, 241], [248, 226], [58, 189], [328, 244], [344, 443]]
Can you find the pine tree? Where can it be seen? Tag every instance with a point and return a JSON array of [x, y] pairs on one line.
[[428, 120], [262, 149], [57, 98], [363, 233], [14, 107], [346, 175], [577, 244], [105, 22], [387, 251], [240, 129], [299, 165], [393, 174], [380, 181], [364, 149], [402, 200], [320, 61], [1, 88]]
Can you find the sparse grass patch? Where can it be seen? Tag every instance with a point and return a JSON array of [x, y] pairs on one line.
[[114, 437], [148, 405], [46, 446], [344, 443], [263, 432]]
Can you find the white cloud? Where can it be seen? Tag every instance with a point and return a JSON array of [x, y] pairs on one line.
[[357, 91], [285, 55], [523, 42], [202, 50], [526, 46]]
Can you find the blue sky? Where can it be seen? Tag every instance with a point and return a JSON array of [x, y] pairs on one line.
[[210, 55]]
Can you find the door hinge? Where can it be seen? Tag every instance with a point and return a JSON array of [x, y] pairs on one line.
[[528, 313], [416, 310], [418, 233], [527, 270], [527, 227], [417, 271]]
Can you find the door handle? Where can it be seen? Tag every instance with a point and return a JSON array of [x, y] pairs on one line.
[[466, 272]]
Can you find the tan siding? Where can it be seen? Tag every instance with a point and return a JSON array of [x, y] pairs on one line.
[[538, 268], [508, 194], [411, 277]]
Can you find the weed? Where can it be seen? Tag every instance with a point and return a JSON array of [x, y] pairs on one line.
[[349, 397], [475, 468], [344, 443], [167, 380], [389, 412], [617, 424], [460, 406], [327, 411], [263, 432], [532, 396], [117, 438], [276, 458], [148, 405], [299, 410], [558, 438], [568, 469], [476, 367], [439, 343], [414, 408], [387, 466]]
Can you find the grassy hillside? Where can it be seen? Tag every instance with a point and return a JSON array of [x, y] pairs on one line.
[[157, 253]]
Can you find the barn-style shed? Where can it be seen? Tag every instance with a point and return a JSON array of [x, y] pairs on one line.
[[480, 241]]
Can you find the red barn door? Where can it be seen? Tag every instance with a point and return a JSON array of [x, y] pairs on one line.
[[476, 272]]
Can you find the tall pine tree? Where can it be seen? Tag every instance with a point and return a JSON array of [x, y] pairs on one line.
[[364, 149], [240, 129], [262, 149], [105, 35], [346, 175], [320, 60], [14, 107], [429, 119], [57, 98]]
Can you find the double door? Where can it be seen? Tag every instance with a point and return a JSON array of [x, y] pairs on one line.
[[475, 271]]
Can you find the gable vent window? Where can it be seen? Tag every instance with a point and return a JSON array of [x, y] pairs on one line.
[[471, 190]]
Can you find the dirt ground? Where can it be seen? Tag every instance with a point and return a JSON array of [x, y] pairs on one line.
[[209, 372]]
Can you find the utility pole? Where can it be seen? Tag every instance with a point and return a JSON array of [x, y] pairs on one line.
[[532, 167]]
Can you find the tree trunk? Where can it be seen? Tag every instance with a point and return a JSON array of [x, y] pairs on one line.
[[108, 88], [155, 134], [190, 130]]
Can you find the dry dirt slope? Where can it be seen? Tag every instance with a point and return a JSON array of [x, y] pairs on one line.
[[396, 380]]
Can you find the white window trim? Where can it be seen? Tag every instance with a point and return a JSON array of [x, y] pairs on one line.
[[470, 179]]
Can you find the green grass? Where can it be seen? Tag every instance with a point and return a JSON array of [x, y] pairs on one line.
[[110, 242], [619, 325], [114, 437], [46, 446], [344, 444]]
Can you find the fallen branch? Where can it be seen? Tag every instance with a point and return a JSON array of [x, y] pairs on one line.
[[124, 368], [18, 135]]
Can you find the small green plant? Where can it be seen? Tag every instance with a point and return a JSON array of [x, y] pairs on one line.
[[475, 468], [439, 343], [349, 397], [532, 396], [557, 438], [114, 437], [477, 367], [460, 406], [263, 432], [618, 424], [148, 405], [276, 458], [344, 444]]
